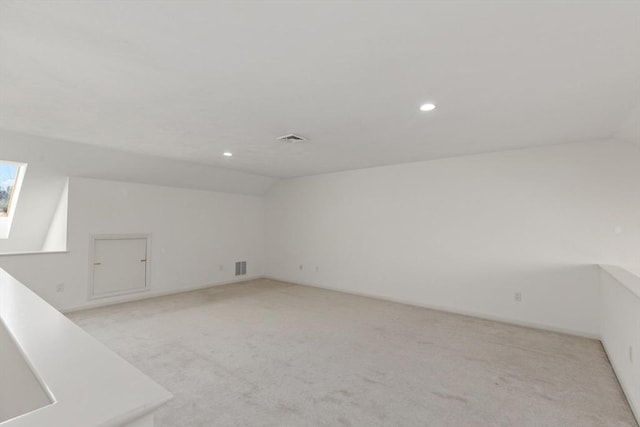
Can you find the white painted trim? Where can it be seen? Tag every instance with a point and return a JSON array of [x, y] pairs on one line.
[[32, 253], [91, 295], [625, 390], [484, 316], [148, 295]]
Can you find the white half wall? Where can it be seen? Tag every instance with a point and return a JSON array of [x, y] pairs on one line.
[[196, 238], [621, 329], [20, 389], [629, 129], [466, 234]]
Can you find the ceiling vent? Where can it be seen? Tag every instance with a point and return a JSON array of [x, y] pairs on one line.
[[292, 138]]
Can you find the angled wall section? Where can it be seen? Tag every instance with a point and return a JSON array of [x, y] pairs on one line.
[[56, 238]]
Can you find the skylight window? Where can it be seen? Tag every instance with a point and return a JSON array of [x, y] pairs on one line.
[[8, 179], [11, 176]]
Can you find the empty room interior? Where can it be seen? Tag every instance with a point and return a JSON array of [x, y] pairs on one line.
[[319, 213]]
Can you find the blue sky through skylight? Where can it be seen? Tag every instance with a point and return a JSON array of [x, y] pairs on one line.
[[8, 174]]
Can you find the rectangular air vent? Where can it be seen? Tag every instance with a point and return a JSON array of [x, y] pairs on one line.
[[241, 268]]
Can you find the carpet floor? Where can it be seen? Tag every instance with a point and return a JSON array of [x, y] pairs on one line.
[[267, 353]]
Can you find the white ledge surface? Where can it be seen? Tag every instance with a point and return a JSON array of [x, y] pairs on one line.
[[32, 253], [629, 280], [91, 386]]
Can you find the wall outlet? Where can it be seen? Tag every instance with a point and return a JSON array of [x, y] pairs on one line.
[[517, 297], [300, 267], [60, 287]]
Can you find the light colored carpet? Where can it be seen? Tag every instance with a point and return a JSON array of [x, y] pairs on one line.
[[266, 353]]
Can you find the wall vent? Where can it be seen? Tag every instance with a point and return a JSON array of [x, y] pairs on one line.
[[241, 268], [292, 138]]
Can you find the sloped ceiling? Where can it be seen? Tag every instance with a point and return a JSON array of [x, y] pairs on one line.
[[64, 158], [190, 79]]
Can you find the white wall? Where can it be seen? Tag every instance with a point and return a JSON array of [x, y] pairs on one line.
[[51, 161], [621, 329], [466, 233], [629, 129], [462, 234], [194, 234], [56, 239]]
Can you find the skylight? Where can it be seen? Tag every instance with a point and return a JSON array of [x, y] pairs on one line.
[[11, 177], [8, 179]]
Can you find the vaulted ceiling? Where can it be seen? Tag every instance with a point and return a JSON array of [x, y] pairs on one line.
[[191, 79]]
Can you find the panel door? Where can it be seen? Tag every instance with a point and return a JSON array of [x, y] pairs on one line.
[[119, 265]]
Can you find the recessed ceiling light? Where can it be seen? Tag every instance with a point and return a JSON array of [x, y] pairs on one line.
[[227, 154], [427, 107]]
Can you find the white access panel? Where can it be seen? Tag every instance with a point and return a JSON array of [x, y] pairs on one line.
[[119, 265]]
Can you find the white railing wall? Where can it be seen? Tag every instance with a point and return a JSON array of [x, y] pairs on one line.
[[620, 334]]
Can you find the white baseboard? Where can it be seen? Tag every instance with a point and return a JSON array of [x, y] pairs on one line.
[[625, 389], [517, 322], [151, 294]]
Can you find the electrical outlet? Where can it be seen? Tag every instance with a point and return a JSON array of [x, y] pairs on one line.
[[300, 267], [517, 297], [60, 287]]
